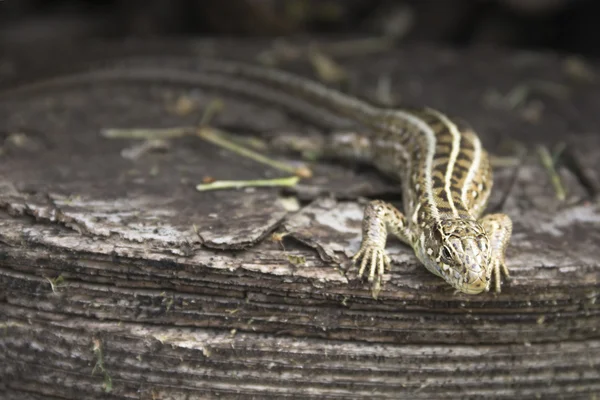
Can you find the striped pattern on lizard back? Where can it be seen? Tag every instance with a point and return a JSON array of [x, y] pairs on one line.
[[446, 184]]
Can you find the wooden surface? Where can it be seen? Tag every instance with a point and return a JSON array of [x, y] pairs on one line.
[[119, 280]]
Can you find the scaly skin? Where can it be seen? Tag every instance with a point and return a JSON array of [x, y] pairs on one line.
[[445, 173]]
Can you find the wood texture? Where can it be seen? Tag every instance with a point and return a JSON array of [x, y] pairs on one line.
[[119, 280]]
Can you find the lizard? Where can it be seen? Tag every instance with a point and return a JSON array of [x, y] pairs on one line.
[[444, 171]]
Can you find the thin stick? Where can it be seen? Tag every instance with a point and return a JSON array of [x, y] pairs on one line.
[[217, 137], [218, 185], [550, 166]]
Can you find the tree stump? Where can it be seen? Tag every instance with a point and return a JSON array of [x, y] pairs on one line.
[[120, 280]]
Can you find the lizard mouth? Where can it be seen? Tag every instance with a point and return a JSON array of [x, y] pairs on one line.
[[474, 288], [476, 282]]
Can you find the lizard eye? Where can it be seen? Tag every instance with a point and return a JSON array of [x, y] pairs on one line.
[[446, 255]]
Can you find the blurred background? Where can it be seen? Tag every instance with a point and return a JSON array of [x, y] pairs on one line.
[[551, 25]]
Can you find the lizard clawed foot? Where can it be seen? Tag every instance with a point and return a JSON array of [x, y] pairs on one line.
[[499, 270], [378, 261], [498, 227]]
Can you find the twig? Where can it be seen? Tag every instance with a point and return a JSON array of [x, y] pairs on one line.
[[279, 182], [147, 134], [549, 164], [217, 137]]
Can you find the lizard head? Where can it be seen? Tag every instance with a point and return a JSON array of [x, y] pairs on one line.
[[461, 253]]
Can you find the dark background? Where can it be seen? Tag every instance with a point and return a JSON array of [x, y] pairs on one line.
[[555, 25]]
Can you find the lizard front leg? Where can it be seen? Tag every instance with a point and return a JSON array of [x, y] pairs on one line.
[[498, 227], [380, 218]]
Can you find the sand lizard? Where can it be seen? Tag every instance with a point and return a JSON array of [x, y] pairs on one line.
[[443, 168]]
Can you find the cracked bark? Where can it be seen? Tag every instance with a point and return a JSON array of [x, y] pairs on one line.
[[102, 252]]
